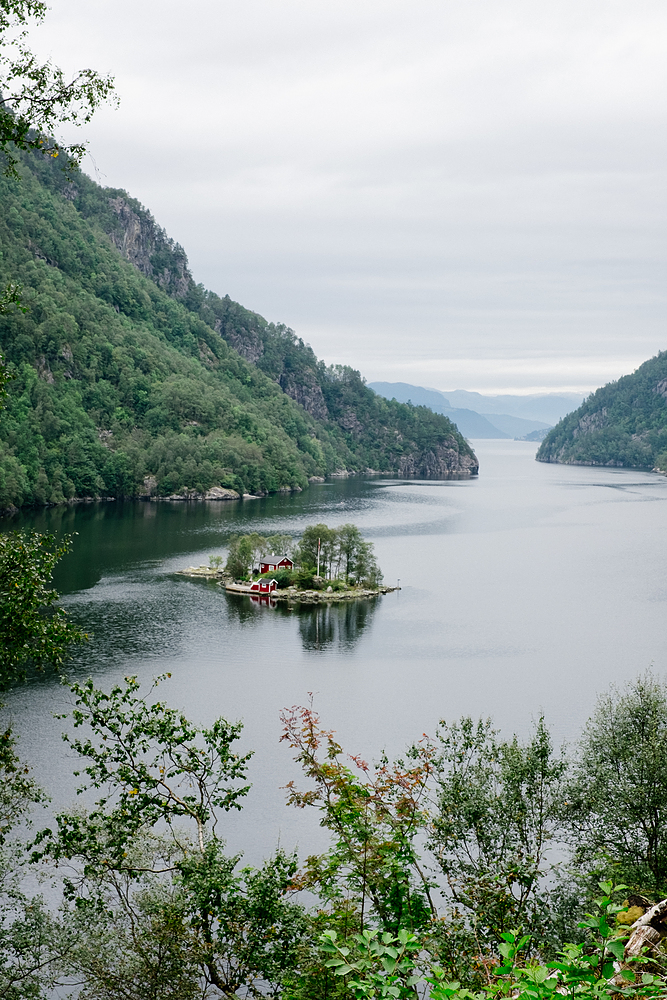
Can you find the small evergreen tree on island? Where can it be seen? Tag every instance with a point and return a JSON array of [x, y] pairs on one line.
[[324, 556]]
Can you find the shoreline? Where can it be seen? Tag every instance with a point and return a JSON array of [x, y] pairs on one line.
[[295, 596], [218, 494], [289, 594]]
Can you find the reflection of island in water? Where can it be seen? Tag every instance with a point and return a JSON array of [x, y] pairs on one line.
[[339, 625], [321, 626]]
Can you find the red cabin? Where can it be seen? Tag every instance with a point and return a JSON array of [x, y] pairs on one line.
[[263, 586], [271, 564]]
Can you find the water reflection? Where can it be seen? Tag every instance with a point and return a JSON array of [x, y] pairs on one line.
[[263, 600], [335, 625], [246, 609], [127, 620], [113, 537], [116, 537]]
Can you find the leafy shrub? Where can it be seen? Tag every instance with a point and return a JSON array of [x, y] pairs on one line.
[[284, 578], [305, 576]]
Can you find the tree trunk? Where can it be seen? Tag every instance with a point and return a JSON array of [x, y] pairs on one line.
[[646, 934]]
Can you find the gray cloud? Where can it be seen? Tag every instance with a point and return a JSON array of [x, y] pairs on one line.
[[469, 192]]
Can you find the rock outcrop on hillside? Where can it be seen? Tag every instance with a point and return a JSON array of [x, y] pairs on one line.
[[144, 244], [623, 424], [442, 462], [305, 390]]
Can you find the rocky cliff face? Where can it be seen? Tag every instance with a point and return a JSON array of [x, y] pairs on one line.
[[143, 243], [336, 396], [305, 390], [248, 343], [442, 462]]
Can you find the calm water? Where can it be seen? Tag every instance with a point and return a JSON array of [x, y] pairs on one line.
[[527, 590]]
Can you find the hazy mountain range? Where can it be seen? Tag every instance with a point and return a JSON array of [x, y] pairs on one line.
[[479, 416]]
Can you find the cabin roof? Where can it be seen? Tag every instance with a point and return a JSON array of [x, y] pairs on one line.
[[275, 559]]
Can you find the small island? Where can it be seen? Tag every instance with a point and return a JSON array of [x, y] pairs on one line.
[[327, 564]]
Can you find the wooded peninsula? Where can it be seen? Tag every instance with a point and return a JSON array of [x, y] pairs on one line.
[[130, 380]]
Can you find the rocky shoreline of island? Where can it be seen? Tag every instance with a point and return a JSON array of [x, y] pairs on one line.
[[292, 594], [297, 596]]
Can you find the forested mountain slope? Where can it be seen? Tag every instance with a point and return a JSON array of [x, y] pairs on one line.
[[132, 379], [622, 424]]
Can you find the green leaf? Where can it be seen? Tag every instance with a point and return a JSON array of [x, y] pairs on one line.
[[617, 948]]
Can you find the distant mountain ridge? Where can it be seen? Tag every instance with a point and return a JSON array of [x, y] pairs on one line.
[[549, 407], [493, 416], [623, 424], [471, 424]]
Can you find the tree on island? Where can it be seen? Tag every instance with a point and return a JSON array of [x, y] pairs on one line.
[[246, 550], [340, 554], [343, 554]]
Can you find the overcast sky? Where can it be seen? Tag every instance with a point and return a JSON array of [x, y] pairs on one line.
[[459, 194]]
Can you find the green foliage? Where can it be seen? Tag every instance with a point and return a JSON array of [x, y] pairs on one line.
[[364, 567], [374, 964], [617, 799], [11, 299], [380, 434], [206, 925], [152, 765], [141, 950], [318, 547], [249, 932], [304, 577], [32, 944], [35, 98], [33, 632], [381, 966], [601, 928], [340, 550], [498, 814], [31, 940], [622, 424], [284, 578], [170, 911], [6, 374], [18, 791], [245, 551], [351, 549], [375, 816], [155, 907]]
